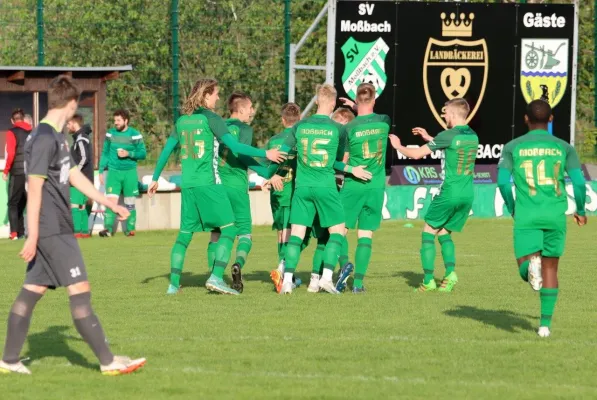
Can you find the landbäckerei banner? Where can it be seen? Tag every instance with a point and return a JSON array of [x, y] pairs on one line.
[[499, 57]]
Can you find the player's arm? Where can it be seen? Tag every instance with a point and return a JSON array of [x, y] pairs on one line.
[[505, 176], [339, 165], [220, 131], [171, 144], [412, 152], [140, 151], [83, 151], [105, 154], [43, 149], [573, 168], [11, 149]]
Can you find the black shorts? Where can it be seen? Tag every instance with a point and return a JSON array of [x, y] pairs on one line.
[[58, 263]]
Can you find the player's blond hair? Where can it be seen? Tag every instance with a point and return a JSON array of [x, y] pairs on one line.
[[291, 113], [343, 114], [460, 106], [326, 93], [196, 98], [365, 93]]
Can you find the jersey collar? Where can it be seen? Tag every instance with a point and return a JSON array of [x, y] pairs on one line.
[[45, 121], [538, 132]]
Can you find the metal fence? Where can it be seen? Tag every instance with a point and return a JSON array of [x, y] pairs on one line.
[[242, 43]]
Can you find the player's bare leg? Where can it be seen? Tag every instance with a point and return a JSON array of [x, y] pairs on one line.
[[330, 257], [548, 293], [428, 258], [293, 253], [529, 268], [448, 254]]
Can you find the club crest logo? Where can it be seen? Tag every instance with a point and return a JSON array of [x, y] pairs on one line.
[[544, 69], [455, 68], [364, 63]]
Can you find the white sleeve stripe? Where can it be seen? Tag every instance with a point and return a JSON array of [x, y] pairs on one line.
[[108, 135], [83, 156], [84, 139], [137, 137]]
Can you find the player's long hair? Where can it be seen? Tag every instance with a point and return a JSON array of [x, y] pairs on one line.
[[196, 98]]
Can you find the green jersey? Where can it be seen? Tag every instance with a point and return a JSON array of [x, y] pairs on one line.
[[198, 136], [287, 169], [537, 161], [130, 140], [319, 143], [459, 145], [367, 140], [232, 170]]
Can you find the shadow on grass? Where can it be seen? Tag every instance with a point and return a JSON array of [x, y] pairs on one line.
[[505, 320], [54, 343], [187, 279], [413, 279]]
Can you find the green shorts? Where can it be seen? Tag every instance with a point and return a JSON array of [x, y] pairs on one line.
[[241, 207], [205, 208], [76, 197], [281, 216], [548, 242], [124, 182], [448, 212], [307, 202], [363, 208]]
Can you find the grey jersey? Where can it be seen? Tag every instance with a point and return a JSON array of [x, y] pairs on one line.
[[47, 156]]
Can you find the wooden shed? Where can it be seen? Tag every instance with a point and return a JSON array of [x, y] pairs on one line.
[[26, 88]]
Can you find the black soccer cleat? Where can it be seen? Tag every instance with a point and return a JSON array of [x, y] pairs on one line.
[[237, 278], [105, 233]]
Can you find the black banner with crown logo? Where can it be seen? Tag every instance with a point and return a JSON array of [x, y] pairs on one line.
[[499, 57]]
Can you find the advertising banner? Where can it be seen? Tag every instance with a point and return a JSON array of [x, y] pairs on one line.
[[497, 56]]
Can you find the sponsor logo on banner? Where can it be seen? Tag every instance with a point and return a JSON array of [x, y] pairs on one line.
[[364, 63], [544, 69], [455, 68], [431, 174]]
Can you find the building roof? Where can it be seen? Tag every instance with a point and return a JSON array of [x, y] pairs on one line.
[[18, 74], [14, 68]]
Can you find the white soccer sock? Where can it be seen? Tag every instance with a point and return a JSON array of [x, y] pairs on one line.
[[327, 274], [315, 277], [287, 277], [281, 266]]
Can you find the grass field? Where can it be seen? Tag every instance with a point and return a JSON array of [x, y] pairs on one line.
[[478, 342]]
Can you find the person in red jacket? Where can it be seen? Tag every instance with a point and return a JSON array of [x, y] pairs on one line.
[[15, 166]]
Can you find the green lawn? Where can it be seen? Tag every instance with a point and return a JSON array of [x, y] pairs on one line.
[[478, 342]]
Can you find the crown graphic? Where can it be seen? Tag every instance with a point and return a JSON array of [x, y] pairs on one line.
[[461, 27]]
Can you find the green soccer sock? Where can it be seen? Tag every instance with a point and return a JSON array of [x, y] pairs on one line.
[[318, 259], [343, 257], [523, 270], [179, 250], [293, 254], [362, 257], [428, 256], [281, 251], [223, 250], [331, 252], [211, 254], [131, 221], [76, 219], [109, 218], [549, 297], [448, 252], [243, 248], [84, 220]]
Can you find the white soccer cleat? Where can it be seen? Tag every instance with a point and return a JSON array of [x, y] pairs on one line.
[[286, 288], [535, 278], [328, 286], [122, 365], [543, 331], [17, 368], [313, 284]]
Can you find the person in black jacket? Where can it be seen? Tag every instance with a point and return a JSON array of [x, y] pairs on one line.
[[15, 166], [81, 151]]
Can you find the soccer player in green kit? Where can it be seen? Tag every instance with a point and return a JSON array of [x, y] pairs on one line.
[[367, 137], [450, 209], [205, 204], [537, 160], [320, 149], [123, 147], [236, 183]]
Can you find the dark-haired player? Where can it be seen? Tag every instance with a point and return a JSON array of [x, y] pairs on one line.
[[537, 160]]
